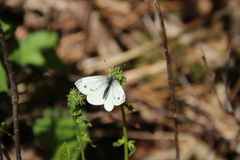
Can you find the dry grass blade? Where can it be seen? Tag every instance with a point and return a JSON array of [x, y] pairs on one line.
[[170, 79]]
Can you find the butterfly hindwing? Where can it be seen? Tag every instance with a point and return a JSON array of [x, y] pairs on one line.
[[116, 96], [109, 102]]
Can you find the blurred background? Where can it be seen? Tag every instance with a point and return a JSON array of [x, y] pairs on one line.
[[54, 43]]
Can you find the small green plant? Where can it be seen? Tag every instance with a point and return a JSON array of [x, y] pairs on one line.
[[108, 91], [55, 128], [28, 51], [75, 101], [128, 145], [117, 74], [3, 79], [30, 48], [8, 30], [3, 129], [64, 152]]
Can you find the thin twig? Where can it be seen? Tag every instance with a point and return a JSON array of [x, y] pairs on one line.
[[4, 151], [212, 77], [7, 133], [170, 79], [1, 150], [235, 90], [225, 80], [14, 93]]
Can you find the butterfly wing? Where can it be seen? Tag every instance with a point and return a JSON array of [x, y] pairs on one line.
[[94, 88], [116, 96]]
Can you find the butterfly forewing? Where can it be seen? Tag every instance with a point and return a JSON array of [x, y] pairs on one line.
[[96, 98], [89, 85], [93, 87]]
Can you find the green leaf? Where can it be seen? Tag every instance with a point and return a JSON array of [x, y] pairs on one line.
[[65, 129], [52, 61], [64, 153], [88, 139], [3, 125], [75, 99], [41, 40], [55, 128], [129, 107], [118, 143], [30, 49], [3, 79], [8, 29], [33, 57], [131, 147]]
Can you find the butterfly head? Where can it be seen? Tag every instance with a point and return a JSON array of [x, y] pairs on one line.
[[117, 74]]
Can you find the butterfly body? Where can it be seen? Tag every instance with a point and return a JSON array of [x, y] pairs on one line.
[[110, 81], [101, 90]]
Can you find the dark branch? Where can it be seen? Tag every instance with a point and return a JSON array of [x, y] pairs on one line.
[[14, 92], [170, 79]]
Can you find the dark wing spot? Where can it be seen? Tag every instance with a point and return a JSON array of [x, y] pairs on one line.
[[85, 86], [117, 98]]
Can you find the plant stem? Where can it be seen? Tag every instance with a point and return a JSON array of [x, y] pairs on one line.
[[14, 93], [79, 134], [125, 136], [170, 79]]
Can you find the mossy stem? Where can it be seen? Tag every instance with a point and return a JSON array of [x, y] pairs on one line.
[[125, 136], [79, 134]]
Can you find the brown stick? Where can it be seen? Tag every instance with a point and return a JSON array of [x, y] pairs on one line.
[[14, 92], [170, 79], [212, 77]]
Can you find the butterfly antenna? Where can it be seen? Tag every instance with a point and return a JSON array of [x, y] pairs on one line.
[[108, 67]]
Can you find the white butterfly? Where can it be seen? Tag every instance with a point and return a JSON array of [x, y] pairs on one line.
[[102, 90]]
